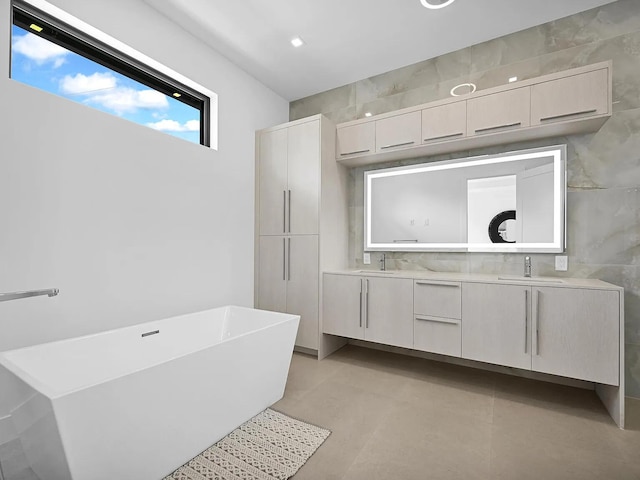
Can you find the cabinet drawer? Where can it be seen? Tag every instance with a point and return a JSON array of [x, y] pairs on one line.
[[437, 335], [400, 131], [437, 298], [570, 98], [356, 140], [446, 122], [498, 112]]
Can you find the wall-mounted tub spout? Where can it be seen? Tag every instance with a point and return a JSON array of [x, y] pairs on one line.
[[50, 292]]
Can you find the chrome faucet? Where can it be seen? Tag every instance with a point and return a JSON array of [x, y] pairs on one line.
[[383, 262], [50, 292], [527, 266]]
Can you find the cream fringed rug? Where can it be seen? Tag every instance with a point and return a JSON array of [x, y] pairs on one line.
[[269, 446]]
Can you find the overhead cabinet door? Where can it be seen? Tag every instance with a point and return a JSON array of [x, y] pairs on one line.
[[570, 98], [499, 112], [445, 122], [399, 131], [356, 140]]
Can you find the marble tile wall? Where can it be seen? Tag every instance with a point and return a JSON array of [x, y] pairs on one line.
[[603, 200]]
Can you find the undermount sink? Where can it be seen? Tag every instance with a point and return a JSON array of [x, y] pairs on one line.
[[520, 278]]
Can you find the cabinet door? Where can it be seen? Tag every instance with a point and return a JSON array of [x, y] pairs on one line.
[[302, 287], [570, 98], [303, 178], [272, 286], [273, 181], [400, 131], [496, 324], [577, 333], [342, 303], [388, 311], [499, 112], [354, 140], [446, 122]]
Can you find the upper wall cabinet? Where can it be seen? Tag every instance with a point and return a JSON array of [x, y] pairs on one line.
[[356, 140], [571, 97], [558, 104], [498, 112], [399, 131]]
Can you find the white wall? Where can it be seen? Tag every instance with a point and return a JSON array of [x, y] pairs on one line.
[[131, 224]]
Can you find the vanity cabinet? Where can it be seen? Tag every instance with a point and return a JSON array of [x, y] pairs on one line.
[[374, 309], [300, 192], [444, 122], [496, 324], [399, 131], [437, 312], [576, 333], [575, 96], [356, 140], [289, 180], [499, 112]]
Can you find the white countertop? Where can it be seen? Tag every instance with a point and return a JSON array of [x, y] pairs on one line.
[[545, 281]]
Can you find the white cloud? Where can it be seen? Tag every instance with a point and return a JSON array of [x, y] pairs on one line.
[[39, 50], [127, 100], [173, 126], [80, 84]]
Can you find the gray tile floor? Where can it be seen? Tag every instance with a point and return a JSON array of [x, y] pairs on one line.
[[402, 418]]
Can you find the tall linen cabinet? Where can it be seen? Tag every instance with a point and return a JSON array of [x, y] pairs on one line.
[[301, 225]]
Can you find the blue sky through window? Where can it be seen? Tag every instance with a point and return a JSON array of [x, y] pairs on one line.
[[50, 67]]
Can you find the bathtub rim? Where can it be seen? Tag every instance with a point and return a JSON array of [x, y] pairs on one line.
[[52, 393]]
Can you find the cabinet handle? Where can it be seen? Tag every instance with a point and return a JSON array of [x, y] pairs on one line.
[[413, 240], [565, 115], [526, 318], [361, 280], [436, 282], [537, 319], [438, 320], [366, 310], [354, 153], [397, 145], [289, 211], [442, 137], [289, 259], [488, 129], [284, 257], [284, 211]]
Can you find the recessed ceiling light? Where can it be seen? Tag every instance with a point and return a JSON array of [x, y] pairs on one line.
[[368, 114], [297, 42], [435, 6], [513, 79], [470, 86], [177, 95], [35, 27]]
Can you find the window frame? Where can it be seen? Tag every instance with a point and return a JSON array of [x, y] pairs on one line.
[[78, 37]]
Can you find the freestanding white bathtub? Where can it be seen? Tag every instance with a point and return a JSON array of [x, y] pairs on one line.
[[138, 402]]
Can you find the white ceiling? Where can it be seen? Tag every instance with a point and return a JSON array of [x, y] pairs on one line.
[[349, 40]]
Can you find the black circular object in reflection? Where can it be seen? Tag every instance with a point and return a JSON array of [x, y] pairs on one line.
[[495, 223]]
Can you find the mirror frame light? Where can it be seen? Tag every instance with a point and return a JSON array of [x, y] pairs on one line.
[[559, 154]]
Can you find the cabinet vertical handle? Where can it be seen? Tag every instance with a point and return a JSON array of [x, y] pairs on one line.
[[284, 259], [289, 259], [366, 310], [284, 211], [361, 280], [526, 318], [537, 319], [289, 211]]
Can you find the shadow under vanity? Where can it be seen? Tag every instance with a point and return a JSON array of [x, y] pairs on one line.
[[567, 330]]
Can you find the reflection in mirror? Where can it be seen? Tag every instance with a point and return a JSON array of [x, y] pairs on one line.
[[511, 202]]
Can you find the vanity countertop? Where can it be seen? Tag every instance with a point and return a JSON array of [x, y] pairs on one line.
[[534, 280]]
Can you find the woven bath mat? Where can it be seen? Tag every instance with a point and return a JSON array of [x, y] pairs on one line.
[[269, 446]]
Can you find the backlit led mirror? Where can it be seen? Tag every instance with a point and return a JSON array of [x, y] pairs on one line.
[[510, 202]]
